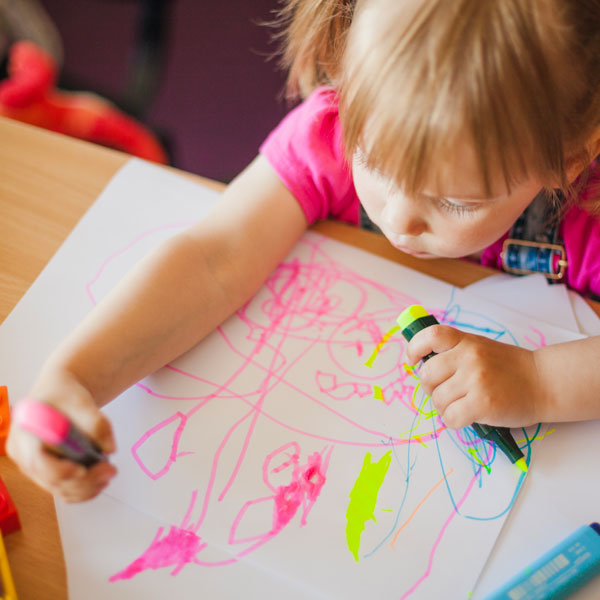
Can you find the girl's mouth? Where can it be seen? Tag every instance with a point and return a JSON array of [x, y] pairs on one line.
[[415, 253]]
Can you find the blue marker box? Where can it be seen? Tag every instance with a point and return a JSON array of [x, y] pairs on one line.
[[559, 572]]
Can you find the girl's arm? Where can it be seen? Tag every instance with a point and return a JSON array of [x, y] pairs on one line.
[[569, 377], [173, 298], [186, 287], [474, 379]]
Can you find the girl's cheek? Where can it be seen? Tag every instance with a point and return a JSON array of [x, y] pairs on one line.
[[373, 210]]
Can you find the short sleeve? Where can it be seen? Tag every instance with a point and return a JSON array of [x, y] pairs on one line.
[[581, 234], [306, 150]]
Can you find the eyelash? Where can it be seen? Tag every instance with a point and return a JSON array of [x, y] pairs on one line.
[[457, 209], [360, 158]]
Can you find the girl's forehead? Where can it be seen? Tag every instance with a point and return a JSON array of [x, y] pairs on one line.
[[458, 173], [453, 170], [450, 96]]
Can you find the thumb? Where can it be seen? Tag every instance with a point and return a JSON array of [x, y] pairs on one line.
[[96, 425]]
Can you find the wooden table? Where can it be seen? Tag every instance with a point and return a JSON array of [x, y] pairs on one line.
[[47, 182]]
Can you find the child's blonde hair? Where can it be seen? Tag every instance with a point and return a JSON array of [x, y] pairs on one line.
[[519, 80]]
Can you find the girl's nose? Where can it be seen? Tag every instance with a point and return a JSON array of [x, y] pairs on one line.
[[404, 217]]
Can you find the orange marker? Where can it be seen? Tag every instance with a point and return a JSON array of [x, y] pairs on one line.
[[4, 418]]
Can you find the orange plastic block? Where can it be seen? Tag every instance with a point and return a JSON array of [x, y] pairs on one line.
[[9, 519], [4, 418]]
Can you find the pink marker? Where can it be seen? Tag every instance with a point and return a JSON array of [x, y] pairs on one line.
[[57, 433]]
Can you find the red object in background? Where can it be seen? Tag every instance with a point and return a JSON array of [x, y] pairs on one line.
[[4, 418], [30, 95], [9, 519]]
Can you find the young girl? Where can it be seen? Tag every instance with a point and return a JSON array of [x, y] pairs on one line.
[[445, 120]]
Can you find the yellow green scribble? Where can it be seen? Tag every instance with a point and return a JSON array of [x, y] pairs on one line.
[[427, 414], [363, 499], [380, 345], [422, 413], [411, 372], [537, 437], [473, 453], [387, 510], [378, 393]]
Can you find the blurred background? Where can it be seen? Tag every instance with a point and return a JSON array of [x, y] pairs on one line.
[[195, 72]]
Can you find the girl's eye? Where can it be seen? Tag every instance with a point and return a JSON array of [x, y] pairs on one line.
[[457, 209], [360, 157]]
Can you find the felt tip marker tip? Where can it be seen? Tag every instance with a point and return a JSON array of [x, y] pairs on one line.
[[522, 464]]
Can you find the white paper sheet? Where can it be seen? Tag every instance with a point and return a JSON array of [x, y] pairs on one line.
[[246, 450], [587, 320], [533, 295], [559, 495], [530, 295]]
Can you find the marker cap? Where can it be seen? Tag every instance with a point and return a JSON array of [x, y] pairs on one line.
[[414, 319], [410, 314], [55, 430], [43, 420]]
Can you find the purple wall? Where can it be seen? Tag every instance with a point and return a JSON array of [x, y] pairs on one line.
[[218, 96]]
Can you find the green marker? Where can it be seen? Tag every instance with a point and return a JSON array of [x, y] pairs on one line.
[[415, 318]]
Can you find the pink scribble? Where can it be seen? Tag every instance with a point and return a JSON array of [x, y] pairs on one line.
[[302, 492], [178, 548], [181, 545], [541, 343], [306, 306], [172, 456], [329, 385], [437, 541]]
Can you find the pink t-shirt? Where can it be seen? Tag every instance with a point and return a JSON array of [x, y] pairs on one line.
[[307, 152]]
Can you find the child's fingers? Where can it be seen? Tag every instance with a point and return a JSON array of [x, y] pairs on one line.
[[98, 427], [87, 485], [59, 476], [437, 370], [46, 470], [87, 417], [51, 473], [68, 480], [437, 338], [23, 448], [445, 394], [454, 403], [455, 416]]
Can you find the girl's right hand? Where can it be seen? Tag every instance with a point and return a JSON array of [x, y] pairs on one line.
[[61, 477]]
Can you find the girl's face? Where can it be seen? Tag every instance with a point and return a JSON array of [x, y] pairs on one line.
[[452, 218]]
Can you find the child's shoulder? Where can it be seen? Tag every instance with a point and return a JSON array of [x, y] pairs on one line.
[[307, 151], [321, 106], [311, 131], [323, 98]]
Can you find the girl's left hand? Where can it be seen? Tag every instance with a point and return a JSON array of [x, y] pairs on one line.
[[476, 380]]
